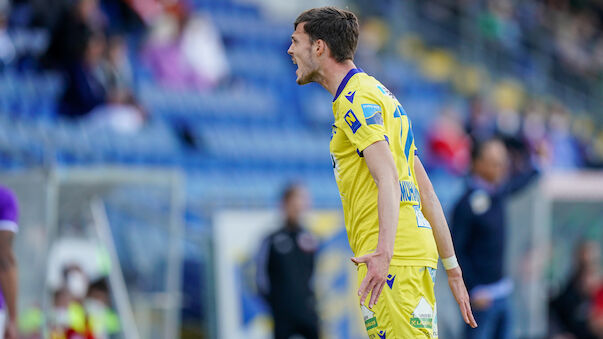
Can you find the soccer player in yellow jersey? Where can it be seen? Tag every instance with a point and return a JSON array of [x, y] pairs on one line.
[[394, 221]]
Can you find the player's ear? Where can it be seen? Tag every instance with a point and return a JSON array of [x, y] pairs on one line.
[[320, 47]]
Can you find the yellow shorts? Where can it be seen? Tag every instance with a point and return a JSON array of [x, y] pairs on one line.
[[407, 306]]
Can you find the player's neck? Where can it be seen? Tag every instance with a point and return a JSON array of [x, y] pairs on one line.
[[332, 75]]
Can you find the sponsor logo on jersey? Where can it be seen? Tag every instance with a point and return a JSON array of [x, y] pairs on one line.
[[421, 220], [480, 202], [370, 321], [372, 114], [409, 192], [390, 280], [306, 242], [422, 316], [381, 334], [350, 96], [352, 121], [386, 91], [282, 243]]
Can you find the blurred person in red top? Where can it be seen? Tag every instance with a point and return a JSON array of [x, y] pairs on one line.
[[596, 316], [448, 143]]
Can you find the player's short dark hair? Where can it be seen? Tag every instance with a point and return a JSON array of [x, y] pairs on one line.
[[338, 28]]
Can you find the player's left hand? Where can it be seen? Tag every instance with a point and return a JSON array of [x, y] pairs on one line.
[[457, 286], [377, 265]]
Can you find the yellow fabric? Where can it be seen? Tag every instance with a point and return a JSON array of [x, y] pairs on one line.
[[406, 307], [366, 112], [77, 317], [57, 335]]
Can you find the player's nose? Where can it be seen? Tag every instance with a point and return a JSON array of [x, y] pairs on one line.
[[290, 50]]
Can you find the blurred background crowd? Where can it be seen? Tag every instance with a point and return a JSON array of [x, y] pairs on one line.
[[205, 88]]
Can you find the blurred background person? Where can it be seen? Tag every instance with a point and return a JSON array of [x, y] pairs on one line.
[[184, 50], [76, 22], [120, 110], [7, 49], [70, 319], [574, 311], [103, 320], [596, 313], [449, 145], [285, 267], [85, 89], [199, 87], [9, 218], [478, 230], [59, 314]]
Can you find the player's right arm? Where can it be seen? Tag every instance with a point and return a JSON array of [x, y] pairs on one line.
[[382, 167], [432, 209], [369, 138], [8, 280]]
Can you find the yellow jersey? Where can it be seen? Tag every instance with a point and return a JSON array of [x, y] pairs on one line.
[[366, 112]]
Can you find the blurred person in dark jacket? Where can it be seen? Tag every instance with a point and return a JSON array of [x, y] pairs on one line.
[[70, 33], [84, 88], [478, 230], [575, 309], [285, 268]]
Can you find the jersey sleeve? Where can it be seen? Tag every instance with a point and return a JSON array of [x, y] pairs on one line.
[[362, 121], [9, 211]]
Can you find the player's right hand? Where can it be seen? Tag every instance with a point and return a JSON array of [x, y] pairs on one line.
[[377, 265], [457, 286]]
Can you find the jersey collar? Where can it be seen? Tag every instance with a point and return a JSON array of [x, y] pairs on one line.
[[345, 80]]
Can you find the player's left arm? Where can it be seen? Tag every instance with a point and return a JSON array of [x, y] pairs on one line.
[[432, 209]]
